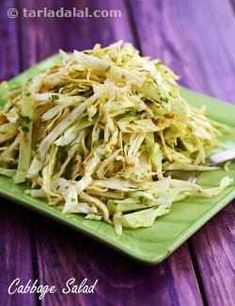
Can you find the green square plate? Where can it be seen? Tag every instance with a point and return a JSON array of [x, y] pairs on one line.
[[150, 245]]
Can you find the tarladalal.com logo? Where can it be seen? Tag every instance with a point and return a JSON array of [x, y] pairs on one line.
[[63, 13]]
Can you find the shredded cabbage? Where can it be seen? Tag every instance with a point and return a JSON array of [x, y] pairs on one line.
[[102, 133]]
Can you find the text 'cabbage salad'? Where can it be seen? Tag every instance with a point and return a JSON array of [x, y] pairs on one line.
[[101, 133]]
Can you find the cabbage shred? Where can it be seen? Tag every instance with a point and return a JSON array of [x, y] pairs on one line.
[[100, 133]]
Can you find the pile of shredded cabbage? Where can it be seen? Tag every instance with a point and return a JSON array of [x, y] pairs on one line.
[[101, 134]]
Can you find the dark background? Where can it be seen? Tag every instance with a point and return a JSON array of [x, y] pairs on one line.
[[197, 39]]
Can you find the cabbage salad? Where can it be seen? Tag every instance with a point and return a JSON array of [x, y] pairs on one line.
[[102, 133]]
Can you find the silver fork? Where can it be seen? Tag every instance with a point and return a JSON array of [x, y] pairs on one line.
[[222, 157]]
